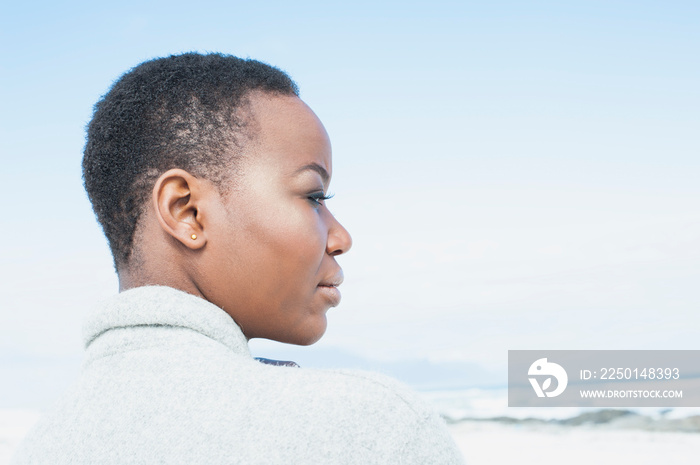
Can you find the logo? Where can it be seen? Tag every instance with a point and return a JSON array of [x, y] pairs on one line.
[[542, 368]]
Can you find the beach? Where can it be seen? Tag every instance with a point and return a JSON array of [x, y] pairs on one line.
[[497, 443], [14, 424]]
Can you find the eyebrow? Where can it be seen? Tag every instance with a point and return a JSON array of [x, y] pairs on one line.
[[325, 177]]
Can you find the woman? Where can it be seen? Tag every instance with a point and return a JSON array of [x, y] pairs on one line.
[[209, 177]]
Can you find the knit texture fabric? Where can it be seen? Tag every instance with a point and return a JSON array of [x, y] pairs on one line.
[[168, 379]]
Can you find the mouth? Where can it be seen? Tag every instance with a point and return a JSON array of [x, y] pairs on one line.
[[329, 288], [331, 294]]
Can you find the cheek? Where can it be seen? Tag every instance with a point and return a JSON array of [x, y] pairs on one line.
[[303, 240], [290, 238]]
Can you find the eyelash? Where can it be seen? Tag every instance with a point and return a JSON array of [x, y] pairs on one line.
[[319, 198]]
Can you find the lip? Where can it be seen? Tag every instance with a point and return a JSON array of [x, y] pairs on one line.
[[329, 288], [334, 280], [331, 293]]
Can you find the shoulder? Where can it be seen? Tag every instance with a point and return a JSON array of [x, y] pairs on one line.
[[359, 407], [370, 387]]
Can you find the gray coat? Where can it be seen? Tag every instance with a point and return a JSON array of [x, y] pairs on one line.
[[168, 379]]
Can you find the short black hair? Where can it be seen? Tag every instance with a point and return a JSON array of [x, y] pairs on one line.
[[183, 111]]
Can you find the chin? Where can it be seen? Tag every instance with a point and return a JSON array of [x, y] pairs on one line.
[[309, 341], [309, 334]]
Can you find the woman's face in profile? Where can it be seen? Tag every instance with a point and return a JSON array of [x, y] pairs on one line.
[[271, 263]]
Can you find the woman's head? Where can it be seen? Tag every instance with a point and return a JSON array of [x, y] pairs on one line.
[[184, 111], [245, 225]]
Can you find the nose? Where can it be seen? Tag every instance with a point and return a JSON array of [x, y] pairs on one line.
[[339, 240]]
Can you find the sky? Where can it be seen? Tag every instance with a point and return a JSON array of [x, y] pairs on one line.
[[515, 175]]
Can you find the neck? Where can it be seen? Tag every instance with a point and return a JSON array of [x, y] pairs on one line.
[[148, 274]]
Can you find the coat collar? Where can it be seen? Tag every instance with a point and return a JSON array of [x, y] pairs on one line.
[[165, 306]]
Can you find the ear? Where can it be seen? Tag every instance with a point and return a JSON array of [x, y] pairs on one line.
[[177, 196]]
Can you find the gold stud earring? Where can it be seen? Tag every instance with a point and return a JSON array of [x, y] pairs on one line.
[[193, 236]]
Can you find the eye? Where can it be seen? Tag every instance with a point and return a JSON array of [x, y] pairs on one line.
[[318, 198]]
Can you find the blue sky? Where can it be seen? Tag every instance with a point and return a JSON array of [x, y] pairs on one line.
[[516, 175]]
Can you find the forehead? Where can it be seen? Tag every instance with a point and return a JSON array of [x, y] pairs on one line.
[[288, 133]]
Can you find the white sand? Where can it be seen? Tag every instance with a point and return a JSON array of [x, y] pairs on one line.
[[494, 443], [14, 424]]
